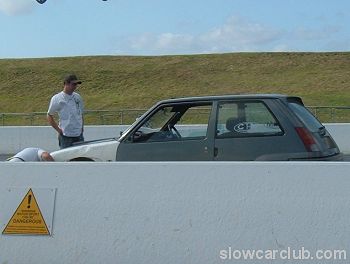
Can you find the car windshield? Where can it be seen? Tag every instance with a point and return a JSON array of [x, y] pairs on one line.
[[309, 120]]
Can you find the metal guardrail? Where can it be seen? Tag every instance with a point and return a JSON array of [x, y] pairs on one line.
[[334, 114], [91, 117]]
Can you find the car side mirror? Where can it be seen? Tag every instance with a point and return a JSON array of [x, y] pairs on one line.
[[136, 136]]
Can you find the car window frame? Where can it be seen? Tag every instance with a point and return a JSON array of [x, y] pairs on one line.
[[127, 138], [247, 135]]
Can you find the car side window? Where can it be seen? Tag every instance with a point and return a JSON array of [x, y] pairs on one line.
[[175, 123], [242, 119], [193, 124]]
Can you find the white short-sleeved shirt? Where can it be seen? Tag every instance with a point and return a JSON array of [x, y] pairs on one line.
[[70, 110], [28, 154]]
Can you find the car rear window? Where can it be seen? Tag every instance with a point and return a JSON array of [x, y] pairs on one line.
[[309, 120]]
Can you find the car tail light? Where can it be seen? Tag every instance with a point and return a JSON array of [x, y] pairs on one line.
[[307, 138]]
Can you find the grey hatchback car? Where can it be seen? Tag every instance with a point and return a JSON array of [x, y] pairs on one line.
[[217, 128]]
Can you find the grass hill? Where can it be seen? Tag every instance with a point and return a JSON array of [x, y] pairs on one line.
[[117, 82]]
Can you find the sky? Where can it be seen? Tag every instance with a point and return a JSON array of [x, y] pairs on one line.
[[64, 28]]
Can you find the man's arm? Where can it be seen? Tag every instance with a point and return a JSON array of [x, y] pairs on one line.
[[82, 113], [53, 108], [53, 123]]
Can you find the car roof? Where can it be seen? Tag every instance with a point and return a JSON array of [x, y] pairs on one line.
[[226, 97]]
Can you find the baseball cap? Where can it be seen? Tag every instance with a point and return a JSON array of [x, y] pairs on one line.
[[72, 78]]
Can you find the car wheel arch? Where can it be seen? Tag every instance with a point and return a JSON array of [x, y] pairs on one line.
[[81, 159]]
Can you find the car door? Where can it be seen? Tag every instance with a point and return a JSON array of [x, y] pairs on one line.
[[249, 130], [174, 132]]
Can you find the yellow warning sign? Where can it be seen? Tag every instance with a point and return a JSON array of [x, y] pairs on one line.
[[27, 219]]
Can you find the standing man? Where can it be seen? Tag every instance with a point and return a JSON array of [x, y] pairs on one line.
[[70, 108]]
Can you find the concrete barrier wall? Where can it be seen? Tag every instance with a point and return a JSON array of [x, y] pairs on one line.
[[14, 139], [178, 212]]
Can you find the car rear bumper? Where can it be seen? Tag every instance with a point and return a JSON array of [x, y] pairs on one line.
[[335, 157]]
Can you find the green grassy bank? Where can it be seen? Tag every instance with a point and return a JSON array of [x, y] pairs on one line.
[[118, 82]]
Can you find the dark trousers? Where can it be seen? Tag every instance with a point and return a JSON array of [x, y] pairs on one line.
[[65, 142]]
